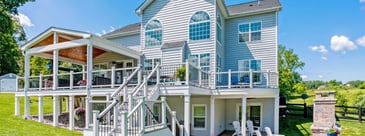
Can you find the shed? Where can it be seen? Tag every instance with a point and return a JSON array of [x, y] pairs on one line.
[[8, 82]]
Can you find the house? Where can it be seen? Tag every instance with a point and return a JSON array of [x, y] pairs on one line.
[[8, 82], [192, 66]]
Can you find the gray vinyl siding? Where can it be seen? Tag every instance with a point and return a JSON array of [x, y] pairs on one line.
[[131, 41], [266, 49], [174, 16], [172, 56]]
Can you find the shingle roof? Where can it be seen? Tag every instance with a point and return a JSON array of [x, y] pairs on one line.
[[252, 6], [173, 44], [136, 27]]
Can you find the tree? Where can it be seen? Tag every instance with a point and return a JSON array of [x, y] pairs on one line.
[[333, 84], [288, 64], [11, 33], [38, 66], [299, 88], [360, 101], [355, 83]]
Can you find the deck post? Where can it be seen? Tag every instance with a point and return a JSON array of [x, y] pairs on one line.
[[40, 109], [212, 115], [187, 114], [96, 123], [140, 73], [130, 102], [71, 79], [89, 77], [83, 72], [116, 114], [125, 91], [200, 76], [268, 78], [251, 80], [55, 70], [163, 111], [229, 78], [145, 86], [158, 74], [187, 72], [40, 82], [143, 115], [276, 114], [113, 77], [124, 122], [173, 122], [55, 110], [26, 86], [17, 106], [243, 121], [71, 112]]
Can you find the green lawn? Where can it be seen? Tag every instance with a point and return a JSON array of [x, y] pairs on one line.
[[299, 126], [16, 126]]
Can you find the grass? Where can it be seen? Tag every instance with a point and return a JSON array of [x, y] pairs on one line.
[[299, 126], [16, 126]]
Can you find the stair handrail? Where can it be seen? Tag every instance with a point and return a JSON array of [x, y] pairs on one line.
[[107, 109], [181, 127], [119, 89], [135, 91]]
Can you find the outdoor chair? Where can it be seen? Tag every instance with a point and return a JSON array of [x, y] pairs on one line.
[[269, 133], [257, 132], [251, 128], [237, 128]]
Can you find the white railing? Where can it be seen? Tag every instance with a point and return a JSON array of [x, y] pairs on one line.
[[246, 79], [106, 78]]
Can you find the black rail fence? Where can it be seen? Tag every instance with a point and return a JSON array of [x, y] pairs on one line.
[[306, 111]]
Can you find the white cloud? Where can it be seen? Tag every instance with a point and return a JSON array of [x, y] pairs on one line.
[[103, 31], [324, 58], [98, 34], [24, 20], [304, 76], [320, 49], [361, 40], [111, 28], [320, 76], [342, 43], [361, 1]]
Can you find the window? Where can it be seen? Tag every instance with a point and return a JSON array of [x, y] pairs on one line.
[[244, 66], [249, 32], [153, 33], [253, 113], [200, 60], [219, 29], [199, 27], [149, 64], [101, 66], [199, 116]]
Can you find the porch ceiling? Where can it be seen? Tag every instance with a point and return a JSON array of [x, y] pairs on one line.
[[78, 53]]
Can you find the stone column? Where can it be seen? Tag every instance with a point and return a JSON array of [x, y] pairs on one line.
[[323, 112]]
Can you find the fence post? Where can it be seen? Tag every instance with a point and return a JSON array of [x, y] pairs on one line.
[[130, 102], [173, 123], [229, 78], [305, 110], [143, 115], [124, 122], [360, 116], [116, 115], [181, 130], [96, 123], [125, 91]]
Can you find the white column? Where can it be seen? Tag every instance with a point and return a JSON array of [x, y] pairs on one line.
[[187, 72], [71, 79], [113, 76], [187, 115], [243, 121], [55, 111], [229, 78], [276, 115], [163, 111], [212, 116], [40, 109], [71, 112], [17, 106], [55, 69], [89, 83], [26, 86], [40, 82]]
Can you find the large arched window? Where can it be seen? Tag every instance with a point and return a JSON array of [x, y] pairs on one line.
[[199, 27], [153, 33]]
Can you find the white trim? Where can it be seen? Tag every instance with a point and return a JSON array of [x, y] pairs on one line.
[[247, 105], [249, 32], [205, 116]]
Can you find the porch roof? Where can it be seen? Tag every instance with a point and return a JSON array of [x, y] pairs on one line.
[[72, 45]]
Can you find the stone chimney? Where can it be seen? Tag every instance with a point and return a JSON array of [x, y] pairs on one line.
[[323, 112]]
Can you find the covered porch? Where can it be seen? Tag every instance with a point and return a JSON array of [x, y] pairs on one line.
[[103, 64]]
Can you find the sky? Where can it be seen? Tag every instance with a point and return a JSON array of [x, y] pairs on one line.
[[328, 35]]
